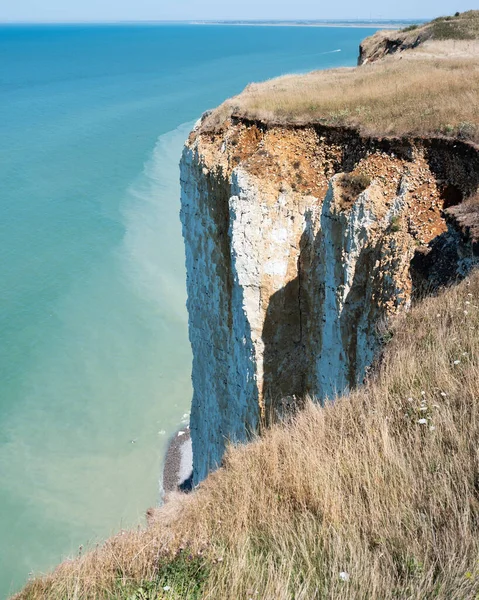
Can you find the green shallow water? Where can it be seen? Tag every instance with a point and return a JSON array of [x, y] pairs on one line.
[[111, 368], [94, 352]]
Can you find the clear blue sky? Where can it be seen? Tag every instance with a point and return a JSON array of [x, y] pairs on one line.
[[144, 10]]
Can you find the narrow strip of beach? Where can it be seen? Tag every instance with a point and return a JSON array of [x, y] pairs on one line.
[[178, 468], [359, 25]]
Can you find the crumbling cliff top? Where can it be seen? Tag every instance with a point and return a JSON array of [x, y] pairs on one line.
[[429, 89], [466, 218]]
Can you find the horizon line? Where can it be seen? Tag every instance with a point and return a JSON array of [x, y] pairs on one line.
[[214, 21]]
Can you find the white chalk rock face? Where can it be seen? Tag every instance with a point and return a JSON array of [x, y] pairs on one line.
[[355, 251], [225, 403], [253, 266], [291, 265]]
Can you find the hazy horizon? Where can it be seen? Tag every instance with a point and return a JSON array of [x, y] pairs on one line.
[[198, 21], [150, 11], [214, 21]]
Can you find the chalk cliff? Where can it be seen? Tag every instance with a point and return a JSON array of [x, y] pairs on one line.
[[300, 243]]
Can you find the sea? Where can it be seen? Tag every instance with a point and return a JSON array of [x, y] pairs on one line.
[[94, 354]]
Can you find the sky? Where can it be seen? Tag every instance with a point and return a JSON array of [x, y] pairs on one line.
[[158, 10]]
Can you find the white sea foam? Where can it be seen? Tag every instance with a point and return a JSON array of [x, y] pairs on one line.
[[152, 254]]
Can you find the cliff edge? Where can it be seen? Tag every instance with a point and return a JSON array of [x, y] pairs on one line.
[[307, 225], [300, 242]]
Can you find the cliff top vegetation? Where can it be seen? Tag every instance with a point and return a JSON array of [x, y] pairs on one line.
[[374, 496], [429, 90], [461, 26]]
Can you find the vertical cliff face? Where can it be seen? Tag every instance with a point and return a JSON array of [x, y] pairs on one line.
[[299, 242], [225, 400]]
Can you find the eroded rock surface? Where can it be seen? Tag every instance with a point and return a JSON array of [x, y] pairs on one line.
[[300, 242]]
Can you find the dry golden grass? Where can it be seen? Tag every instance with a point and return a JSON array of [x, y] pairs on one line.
[[382, 485], [421, 97], [462, 26], [444, 49]]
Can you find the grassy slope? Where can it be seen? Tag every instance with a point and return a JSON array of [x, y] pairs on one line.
[[361, 486], [462, 26]]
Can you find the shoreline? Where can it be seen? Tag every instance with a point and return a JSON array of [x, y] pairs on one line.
[[178, 467]]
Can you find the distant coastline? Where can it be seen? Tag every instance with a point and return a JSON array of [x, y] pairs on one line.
[[359, 24], [356, 24]]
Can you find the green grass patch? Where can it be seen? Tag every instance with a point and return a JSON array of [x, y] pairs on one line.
[[182, 576]]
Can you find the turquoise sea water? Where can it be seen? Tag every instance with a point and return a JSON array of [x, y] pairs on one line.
[[94, 351]]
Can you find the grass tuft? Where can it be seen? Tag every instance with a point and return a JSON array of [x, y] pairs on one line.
[[409, 28], [352, 185]]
